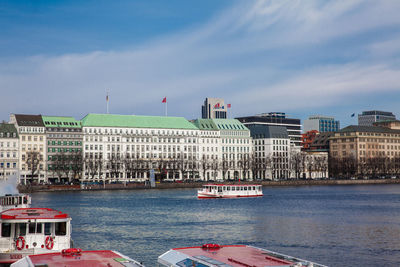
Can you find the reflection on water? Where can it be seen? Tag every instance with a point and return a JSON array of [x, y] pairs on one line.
[[333, 225]]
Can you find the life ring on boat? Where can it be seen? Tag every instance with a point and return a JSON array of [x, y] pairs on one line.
[[20, 244], [49, 242], [211, 246]]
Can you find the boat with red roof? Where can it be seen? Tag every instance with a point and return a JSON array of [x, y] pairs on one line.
[[230, 191], [28, 231], [213, 255], [76, 257]]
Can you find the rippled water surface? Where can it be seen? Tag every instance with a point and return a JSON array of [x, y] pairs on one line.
[[332, 225]]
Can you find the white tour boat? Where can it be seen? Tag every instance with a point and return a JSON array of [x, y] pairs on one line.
[[76, 257], [230, 191], [28, 231], [214, 255], [9, 201]]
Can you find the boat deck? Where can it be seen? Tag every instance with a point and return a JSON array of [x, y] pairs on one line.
[[99, 258], [229, 256]]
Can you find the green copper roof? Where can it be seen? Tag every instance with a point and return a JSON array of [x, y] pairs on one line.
[[134, 121], [205, 124], [65, 122], [230, 124], [8, 130]]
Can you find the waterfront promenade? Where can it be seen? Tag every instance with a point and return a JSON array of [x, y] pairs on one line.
[[137, 186]]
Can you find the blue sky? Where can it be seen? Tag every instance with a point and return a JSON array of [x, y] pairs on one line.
[[300, 57]]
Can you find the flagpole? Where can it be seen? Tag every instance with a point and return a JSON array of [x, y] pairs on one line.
[[107, 100], [166, 109]]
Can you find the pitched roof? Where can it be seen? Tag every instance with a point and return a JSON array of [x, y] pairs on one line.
[[322, 139], [368, 129], [29, 120], [230, 124], [134, 121], [8, 128], [64, 122], [205, 124]]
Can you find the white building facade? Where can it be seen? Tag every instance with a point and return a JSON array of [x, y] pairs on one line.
[[127, 147], [272, 152], [32, 144], [8, 150]]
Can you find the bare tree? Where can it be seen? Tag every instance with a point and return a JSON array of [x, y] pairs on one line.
[[225, 166], [174, 166], [33, 161], [296, 163], [193, 167], [216, 167], [114, 165], [205, 165], [244, 165], [76, 164], [255, 165]]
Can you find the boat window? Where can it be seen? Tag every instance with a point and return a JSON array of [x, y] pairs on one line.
[[254, 188], [35, 228], [25, 200], [190, 263], [241, 188], [47, 228], [21, 229], [61, 228], [224, 188], [5, 229], [245, 188], [228, 188]]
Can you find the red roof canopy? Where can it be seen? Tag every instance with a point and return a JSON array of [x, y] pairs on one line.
[[105, 258], [236, 255], [32, 213]]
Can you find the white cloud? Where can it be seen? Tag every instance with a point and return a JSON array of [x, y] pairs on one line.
[[263, 56]]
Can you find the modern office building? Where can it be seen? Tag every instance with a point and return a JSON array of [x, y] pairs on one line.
[[32, 147], [321, 124], [368, 118], [214, 108], [293, 126], [271, 151], [64, 148], [8, 150]]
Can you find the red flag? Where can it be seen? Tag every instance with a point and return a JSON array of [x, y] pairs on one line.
[[229, 105], [216, 105], [164, 100]]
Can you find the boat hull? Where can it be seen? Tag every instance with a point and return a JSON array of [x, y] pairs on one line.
[[202, 196]]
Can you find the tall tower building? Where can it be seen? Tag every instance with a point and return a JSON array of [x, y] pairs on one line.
[[367, 118], [214, 108], [322, 124]]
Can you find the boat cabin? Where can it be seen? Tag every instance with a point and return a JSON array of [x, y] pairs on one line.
[[28, 231], [14, 201]]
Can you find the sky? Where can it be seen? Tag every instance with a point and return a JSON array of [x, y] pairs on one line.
[[332, 58]]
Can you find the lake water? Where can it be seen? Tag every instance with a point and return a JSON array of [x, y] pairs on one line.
[[332, 225]]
